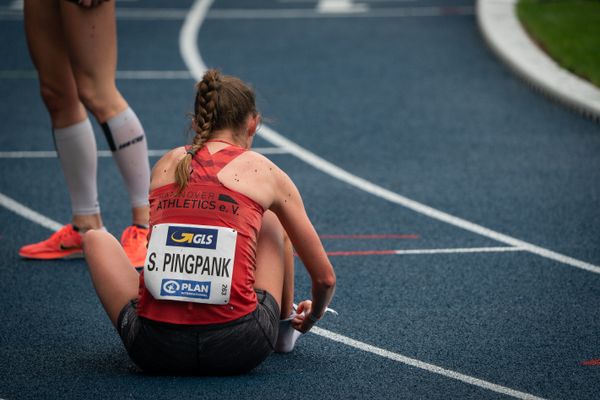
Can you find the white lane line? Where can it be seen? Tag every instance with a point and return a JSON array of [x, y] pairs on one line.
[[191, 55], [362, 1], [149, 75], [151, 13], [16, 5], [340, 6], [166, 14], [27, 154], [153, 75], [422, 365], [28, 213], [108, 153], [460, 250], [288, 13]]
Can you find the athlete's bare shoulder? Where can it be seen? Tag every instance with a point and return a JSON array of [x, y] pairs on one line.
[[257, 164], [257, 157], [253, 175], [163, 171]]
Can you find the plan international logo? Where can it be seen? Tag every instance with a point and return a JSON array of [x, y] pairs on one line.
[[183, 236], [185, 288]]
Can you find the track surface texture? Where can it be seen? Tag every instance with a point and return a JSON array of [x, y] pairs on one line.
[[464, 232]]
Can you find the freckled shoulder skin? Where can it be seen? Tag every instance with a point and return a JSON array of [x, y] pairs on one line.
[[251, 174], [163, 172]]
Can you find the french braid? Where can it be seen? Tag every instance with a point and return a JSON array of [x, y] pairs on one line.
[[205, 115]]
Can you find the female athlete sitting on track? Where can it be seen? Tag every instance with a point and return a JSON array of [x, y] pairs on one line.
[[219, 271]]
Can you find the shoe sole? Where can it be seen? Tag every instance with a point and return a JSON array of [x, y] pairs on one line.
[[70, 256]]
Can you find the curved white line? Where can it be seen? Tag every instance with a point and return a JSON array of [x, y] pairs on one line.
[[188, 45], [192, 58], [108, 153]]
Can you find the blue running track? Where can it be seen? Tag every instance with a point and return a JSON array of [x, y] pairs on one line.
[[460, 207]]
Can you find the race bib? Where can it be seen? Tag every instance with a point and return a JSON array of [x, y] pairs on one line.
[[190, 263]]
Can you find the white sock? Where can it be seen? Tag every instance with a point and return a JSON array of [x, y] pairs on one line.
[[286, 339], [127, 142], [76, 149]]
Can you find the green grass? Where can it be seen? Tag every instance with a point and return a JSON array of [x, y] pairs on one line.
[[568, 30]]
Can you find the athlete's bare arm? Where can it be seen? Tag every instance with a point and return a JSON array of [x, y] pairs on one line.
[[257, 177], [289, 208]]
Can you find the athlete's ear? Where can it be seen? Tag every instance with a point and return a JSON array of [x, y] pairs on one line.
[[253, 123]]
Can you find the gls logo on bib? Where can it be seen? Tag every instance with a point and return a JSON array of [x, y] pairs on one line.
[[183, 236]]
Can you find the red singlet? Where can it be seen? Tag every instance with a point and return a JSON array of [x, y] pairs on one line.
[[206, 201]]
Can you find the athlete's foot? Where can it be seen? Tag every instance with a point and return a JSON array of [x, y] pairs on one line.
[[286, 339], [63, 244], [135, 242]]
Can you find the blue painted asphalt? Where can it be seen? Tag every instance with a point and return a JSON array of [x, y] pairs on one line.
[[418, 105]]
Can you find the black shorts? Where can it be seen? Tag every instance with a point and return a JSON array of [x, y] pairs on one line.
[[220, 349]]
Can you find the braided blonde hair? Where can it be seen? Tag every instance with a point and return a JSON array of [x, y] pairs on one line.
[[221, 102]]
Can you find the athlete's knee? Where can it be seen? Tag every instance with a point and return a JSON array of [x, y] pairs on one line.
[[58, 100], [90, 97], [92, 239], [99, 99]]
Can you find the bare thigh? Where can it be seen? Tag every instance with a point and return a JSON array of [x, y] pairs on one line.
[[45, 39], [274, 263], [115, 280], [91, 40]]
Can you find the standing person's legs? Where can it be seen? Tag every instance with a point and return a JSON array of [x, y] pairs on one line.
[[73, 134], [45, 40], [91, 38]]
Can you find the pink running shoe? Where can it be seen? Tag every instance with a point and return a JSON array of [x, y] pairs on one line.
[[63, 244], [135, 243]]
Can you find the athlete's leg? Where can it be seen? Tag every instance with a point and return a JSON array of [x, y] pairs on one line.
[[45, 40], [91, 40], [74, 137], [275, 263], [275, 274], [115, 280], [128, 144], [287, 297]]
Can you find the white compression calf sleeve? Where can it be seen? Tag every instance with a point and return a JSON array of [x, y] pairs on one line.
[[76, 149], [126, 139]]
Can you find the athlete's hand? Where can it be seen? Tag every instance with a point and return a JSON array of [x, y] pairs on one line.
[[88, 3], [301, 322]]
